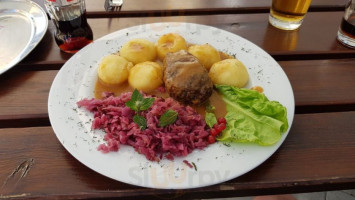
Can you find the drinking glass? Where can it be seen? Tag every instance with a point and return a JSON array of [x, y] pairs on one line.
[[288, 14], [346, 32], [72, 29]]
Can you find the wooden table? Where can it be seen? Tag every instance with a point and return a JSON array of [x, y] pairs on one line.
[[318, 154]]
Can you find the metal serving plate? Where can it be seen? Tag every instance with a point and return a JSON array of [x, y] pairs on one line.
[[23, 24]]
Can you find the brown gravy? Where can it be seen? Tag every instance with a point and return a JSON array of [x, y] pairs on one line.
[[215, 99]]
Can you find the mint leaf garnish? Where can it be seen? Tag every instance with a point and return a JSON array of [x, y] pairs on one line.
[[140, 121], [138, 103], [136, 96], [146, 103], [135, 101], [167, 118], [132, 105]]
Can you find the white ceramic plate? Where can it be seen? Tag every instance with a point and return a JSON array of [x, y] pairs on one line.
[[23, 24], [216, 163]]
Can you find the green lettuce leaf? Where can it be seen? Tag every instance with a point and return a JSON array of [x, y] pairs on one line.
[[251, 117]]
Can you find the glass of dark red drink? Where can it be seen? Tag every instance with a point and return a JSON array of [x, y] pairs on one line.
[[72, 29], [346, 33]]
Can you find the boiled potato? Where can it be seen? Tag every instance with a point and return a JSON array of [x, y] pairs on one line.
[[229, 72], [146, 76], [113, 70], [206, 54], [170, 43], [138, 50]]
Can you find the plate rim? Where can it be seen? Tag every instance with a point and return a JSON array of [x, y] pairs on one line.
[[106, 37], [34, 40]]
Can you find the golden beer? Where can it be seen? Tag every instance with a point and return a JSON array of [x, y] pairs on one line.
[[288, 14]]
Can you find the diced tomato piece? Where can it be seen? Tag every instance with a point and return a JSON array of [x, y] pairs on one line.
[[214, 132], [222, 127], [222, 120], [211, 139]]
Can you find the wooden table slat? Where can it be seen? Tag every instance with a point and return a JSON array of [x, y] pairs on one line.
[[329, 81], [141, 8], [314, 40], [313, 155], [317, 155]]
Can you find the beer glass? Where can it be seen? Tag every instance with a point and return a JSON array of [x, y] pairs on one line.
[[288, 14], [69, 17], [346, 32]]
